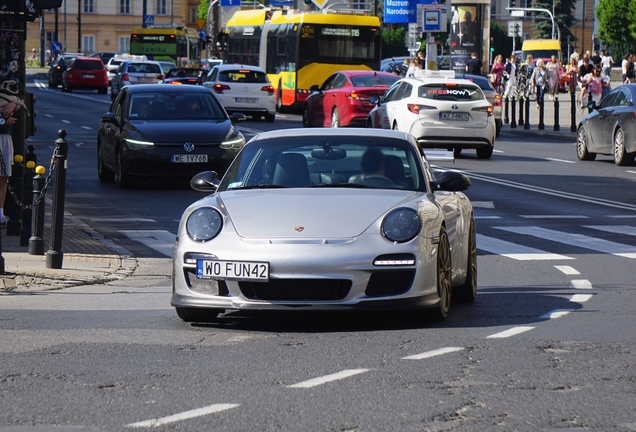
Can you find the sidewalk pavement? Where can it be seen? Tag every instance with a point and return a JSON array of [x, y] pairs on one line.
[[89, 259]]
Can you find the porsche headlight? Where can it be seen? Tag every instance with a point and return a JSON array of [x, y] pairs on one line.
[[204, 224], [401, 225], [134, 144], [234, 140]]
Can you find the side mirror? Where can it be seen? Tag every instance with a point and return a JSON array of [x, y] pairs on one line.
[[375, 100], [592, 105], [206, 181], [237, 117], [111, 118], [451, 181], [314, 88]]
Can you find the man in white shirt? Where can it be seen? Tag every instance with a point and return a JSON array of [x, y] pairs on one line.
[[606, 61]]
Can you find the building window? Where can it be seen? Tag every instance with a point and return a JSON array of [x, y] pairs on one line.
[[193, 15], [124, 7], [124, 44], [88, 44], [89, 6], [493, 8], [161, 7]]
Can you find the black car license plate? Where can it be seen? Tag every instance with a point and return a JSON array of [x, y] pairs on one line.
[[189, 158]]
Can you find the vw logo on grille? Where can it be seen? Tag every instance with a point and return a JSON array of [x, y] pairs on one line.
[[454, 106], [188, 147]]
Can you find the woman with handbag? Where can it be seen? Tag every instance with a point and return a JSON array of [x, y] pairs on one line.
[[539, 81], [496, 72]]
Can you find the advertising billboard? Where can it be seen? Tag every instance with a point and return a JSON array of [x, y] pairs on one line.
[[466, 29]]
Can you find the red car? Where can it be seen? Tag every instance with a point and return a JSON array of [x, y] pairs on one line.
[[343, 99], [85, 73]]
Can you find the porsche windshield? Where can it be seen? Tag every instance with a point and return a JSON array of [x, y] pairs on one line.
[[326, 161]]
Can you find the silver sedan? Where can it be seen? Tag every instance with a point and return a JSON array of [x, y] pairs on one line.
[[326, 219]]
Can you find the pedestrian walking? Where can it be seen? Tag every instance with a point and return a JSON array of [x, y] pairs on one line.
[[553, 67], [539, 80], [606, 62], [510, 69]]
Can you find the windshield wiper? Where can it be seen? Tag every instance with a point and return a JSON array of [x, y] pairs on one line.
[[341, 185]]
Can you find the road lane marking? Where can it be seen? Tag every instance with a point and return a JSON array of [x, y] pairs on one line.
[[510, 332], [580, 298], [160, 240], [483, 204], [557, 313], [622, 216], [567, 270], [199, 412], [553, 217], [65, 121], [433, 353], [498, 151], [546, 191], [614, 229], [515, 251], [581, 284], [87, 127], [560, 160], [578, 240], [632, 172], [328, 378], [487, 217]]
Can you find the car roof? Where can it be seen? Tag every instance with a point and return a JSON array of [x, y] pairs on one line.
[[476, 78], [327, 132], [418, 81], [222, 67], [358, 72], [154, 88]]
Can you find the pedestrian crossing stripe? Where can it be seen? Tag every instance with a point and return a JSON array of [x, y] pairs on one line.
[[160, 240], [578, 240], [515, 251], [615, 229]]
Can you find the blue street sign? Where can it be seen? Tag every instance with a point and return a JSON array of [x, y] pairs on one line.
[[149, 20], [281, 3], [203, 35], [432, 20], [230, 2], [56, 47]]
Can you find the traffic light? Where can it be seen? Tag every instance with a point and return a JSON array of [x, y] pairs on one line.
[[512, 3], [30, 126], [307, 2]]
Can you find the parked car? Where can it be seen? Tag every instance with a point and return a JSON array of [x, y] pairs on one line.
[[133, 73], [57, 69], [242, 88], [491, 94], [113, 64], [440, 111], [610, 128], [192, 76], [343, 99], [326, 219], [158, 132], [87, 73]]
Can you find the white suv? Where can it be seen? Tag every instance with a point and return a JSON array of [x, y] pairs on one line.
[[244, 89]]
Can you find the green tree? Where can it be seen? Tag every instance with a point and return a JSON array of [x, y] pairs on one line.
[[563, 18], [202, 10], [500, 41], [617, 21], [394, 41]]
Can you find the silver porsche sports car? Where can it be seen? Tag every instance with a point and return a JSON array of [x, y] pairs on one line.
[[326, 219]]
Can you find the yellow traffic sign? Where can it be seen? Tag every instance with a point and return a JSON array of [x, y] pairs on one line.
[[201, 23]]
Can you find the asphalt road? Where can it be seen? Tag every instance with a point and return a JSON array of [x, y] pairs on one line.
[[549, 343]]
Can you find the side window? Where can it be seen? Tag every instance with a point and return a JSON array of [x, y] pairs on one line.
[[626, 98], [609, 99], [405, 91], [328, 83], [391, 94], [339, 82], [119, 105]]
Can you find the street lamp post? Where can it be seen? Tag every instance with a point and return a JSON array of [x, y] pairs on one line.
[[555, 28]]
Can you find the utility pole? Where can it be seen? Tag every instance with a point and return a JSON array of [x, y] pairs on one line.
[[79, 26]]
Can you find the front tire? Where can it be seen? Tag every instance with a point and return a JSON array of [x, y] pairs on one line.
[[440, 312], [124, 180], [306, 117], [197, 315], [581, 146], [621, 158], [467, 291], [269, 118], [103, 173]]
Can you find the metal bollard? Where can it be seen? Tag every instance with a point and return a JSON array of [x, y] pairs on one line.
[[589, 101], [526, 124], [541, 125], [521, 102], [14, 211], [572, 111], [556, 115], [513, 122], [54, 256], [36, 242], [506, 118]]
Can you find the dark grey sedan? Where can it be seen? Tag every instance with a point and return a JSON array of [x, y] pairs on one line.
[[160, 132], [610, 128]]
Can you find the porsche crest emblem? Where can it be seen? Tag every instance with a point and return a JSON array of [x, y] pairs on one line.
[[299, 228]]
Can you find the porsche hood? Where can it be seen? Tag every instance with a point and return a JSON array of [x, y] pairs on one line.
[[308, 213]]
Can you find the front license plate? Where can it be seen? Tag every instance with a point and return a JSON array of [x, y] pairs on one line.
[[246, 100], [453, 116], [233, 270], [88, 76], [189, 158]]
